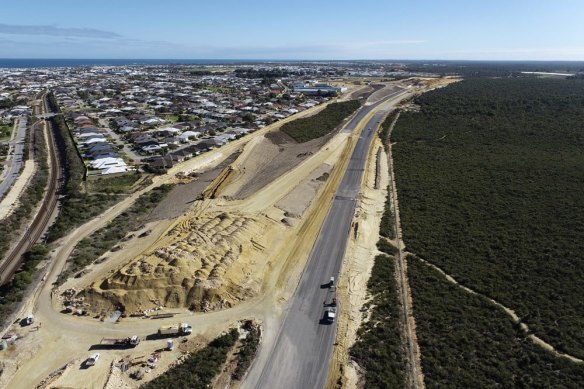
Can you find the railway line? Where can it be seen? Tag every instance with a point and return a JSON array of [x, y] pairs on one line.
[[40, 223]]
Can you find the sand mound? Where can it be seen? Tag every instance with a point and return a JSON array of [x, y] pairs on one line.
[[205, 262]]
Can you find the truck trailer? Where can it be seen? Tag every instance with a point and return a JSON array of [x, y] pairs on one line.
[[175, 330], [131, 341]]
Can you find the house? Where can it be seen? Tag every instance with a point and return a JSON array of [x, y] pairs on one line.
[[210, 144], [101, 154], [172, 140], [151, 148], [95, 139], [114, 170], [224, 138], [103, 163], [187, 135]]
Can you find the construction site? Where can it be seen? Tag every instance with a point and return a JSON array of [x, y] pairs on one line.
[[227, 246]]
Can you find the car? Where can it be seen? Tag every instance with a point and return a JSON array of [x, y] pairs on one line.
[[329, 314], [332, 281], [92, 360], [29, 319]]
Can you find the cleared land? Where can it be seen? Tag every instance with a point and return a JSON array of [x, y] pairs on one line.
[[245, 253], [215, 255], [489, 176]]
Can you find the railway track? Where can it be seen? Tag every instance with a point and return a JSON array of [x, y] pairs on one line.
[[40, 223]]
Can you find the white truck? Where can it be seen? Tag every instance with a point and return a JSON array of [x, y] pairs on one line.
[[92, 360], [330, 313], [175, 330]]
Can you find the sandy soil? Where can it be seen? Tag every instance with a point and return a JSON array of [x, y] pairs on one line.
[[380, 93], [215, 256], [299, 199], [270, 157], [241, 243], [182, 197]]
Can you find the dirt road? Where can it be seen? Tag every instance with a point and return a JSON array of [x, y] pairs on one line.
[[415, 377]]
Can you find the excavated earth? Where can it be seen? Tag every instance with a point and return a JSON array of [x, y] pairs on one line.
[[216, 253]]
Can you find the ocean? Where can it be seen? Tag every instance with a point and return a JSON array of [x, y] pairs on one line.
[[55, 63]]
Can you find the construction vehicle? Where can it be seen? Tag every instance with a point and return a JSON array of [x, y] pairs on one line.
[[132, 341], [175, 330], [331, 297]]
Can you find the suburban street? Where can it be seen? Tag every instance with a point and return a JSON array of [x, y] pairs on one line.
[[302, 351], [15, 160]]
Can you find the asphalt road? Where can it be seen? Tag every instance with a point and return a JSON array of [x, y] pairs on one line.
[[16, 161], [301, 354]]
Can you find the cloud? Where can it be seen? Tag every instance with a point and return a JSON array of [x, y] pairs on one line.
[[52, 30]]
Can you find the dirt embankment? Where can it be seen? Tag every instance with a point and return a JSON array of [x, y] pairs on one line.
[[272, 155]]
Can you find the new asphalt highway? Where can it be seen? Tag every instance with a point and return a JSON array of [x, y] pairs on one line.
[[302, 351]]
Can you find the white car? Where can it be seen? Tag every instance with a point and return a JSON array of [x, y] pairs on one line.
[[92, 359]]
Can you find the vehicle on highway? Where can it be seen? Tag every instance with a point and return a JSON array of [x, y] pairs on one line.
[[331, 297], [332, 282], [92, 359], [330, 313]]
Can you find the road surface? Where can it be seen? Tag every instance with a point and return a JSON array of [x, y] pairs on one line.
[[302, 351], [16, 161]]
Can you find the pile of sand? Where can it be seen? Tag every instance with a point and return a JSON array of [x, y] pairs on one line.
[[205, 262]]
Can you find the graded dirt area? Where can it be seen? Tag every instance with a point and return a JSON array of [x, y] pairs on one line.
[[182, 197], [242, 246], [215, 254], [270, 157]]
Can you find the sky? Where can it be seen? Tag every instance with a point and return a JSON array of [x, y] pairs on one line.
[[299, 29]]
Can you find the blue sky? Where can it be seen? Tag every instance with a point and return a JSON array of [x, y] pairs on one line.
[[300, 29]]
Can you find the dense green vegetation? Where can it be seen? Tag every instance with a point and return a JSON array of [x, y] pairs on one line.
[[312, 127], [102, 240], [78, 205], [13, 292], [467, 342], [199, 369], [387, 226], [379, 349], [247, 352], [5, 131], [11, 225], [490, 175], [386, 125], [469, 69]]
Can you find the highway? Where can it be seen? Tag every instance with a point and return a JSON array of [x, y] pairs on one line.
[[302, 351], [16, 162]]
